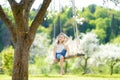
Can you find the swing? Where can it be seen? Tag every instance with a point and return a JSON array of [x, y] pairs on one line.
[[74, 56], [75, 31]]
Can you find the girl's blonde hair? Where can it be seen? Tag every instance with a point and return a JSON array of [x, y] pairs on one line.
[[63, 35]]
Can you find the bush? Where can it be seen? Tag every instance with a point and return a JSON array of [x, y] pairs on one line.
[[117, 69], [7, 60], [40, 66]]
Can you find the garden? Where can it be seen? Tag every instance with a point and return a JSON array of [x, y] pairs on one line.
[[28, 36]]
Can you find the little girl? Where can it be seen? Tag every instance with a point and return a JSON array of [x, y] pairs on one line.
[[60, 50]]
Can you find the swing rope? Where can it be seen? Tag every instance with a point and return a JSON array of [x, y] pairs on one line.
[[60, 16], [75, 28], [54, 23], [74, 17]]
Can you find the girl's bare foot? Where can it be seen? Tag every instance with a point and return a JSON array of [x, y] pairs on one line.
[[62, 72]]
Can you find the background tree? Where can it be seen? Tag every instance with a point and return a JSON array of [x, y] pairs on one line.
[[116, 40], [40, 46], [92, 8], [5, 39], [22, 33], [108, 54], [89, 45]]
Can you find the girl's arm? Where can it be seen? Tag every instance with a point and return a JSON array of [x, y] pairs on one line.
[[68, 50]]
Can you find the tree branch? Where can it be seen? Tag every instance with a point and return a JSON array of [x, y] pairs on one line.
[[12, 3], [28, 5], [39, 18], [8, 23], [21, 9]]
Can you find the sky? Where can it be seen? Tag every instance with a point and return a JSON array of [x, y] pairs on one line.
[[56, 4]]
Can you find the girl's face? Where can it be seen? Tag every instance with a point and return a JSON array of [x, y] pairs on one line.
[[61, 38]]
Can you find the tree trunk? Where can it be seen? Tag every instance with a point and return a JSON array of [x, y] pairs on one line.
[[21, 55], [111, 69], [22, 34], [66, 66], [85, 66], [112, 66]]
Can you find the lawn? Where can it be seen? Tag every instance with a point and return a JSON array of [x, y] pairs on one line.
[[64, 77]]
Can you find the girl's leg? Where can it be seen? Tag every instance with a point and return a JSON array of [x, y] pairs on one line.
[[61, 65]]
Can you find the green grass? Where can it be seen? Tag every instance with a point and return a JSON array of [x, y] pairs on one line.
[[101, 75], [68, 77], [5, 77]]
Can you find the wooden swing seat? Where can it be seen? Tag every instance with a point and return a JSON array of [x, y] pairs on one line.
[[72, 56]]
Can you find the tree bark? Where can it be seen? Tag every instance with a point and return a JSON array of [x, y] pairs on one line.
[[22, 34], [20, 68]]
